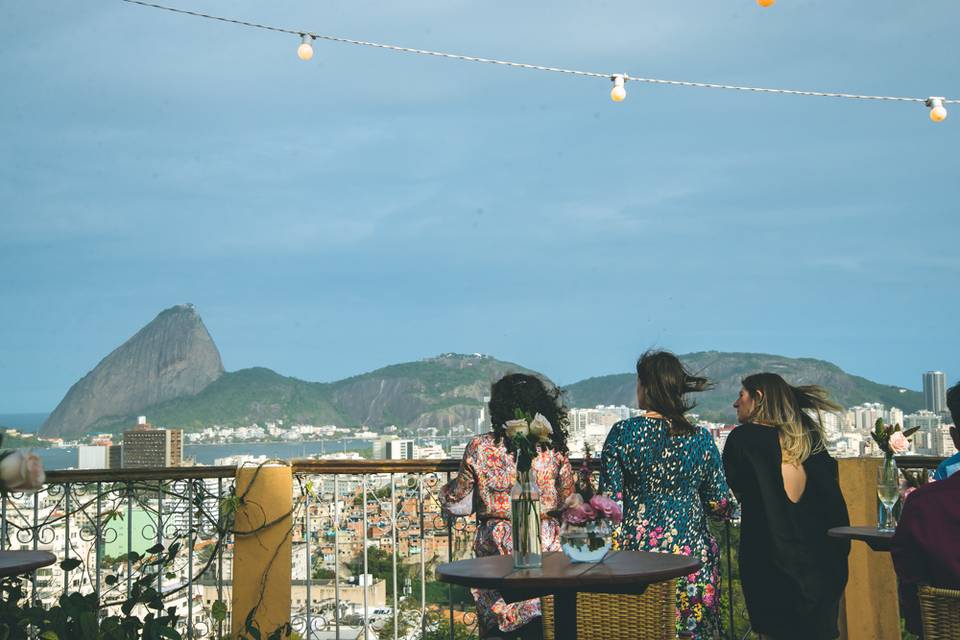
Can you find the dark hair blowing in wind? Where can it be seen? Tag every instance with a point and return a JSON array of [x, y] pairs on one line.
[[532, 396], [666, 383]]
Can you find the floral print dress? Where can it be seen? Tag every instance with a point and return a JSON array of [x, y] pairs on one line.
[[490, 473], [669, 484]]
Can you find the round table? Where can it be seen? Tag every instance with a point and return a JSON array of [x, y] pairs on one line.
[[620, 572], [878, 540], [14, 563]]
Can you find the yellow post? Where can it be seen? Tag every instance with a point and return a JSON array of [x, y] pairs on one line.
[[262, 559], [870, 610]]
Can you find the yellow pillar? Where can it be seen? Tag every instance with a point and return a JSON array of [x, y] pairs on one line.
[[262, 559], [870, 610]]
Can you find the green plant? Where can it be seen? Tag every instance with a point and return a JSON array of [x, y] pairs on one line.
[[78, 616]]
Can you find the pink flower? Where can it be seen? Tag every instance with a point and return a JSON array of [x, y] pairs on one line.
[[899, 443], [580, 514], [21, 471], [607, 508]]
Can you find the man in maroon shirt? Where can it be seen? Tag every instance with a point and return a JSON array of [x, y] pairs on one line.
[[926, 546]]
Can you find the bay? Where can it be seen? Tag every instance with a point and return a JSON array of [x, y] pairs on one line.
[[205, 454]]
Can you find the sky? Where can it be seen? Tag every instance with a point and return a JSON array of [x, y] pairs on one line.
[[369, 207]]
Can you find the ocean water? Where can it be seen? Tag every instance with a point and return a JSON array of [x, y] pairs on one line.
[[26, 422], [205, 454]]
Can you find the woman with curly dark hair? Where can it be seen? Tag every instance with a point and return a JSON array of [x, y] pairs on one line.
[[487, 474]]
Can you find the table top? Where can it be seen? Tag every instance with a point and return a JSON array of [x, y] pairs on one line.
[[877, 540], [14, 563], [620, 572]]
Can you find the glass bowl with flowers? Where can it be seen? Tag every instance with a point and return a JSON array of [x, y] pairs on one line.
[[587, 520]]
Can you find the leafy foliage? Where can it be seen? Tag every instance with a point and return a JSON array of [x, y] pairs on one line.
[[79, 616]]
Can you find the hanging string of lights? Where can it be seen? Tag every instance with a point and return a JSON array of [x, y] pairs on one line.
[[935, 104]]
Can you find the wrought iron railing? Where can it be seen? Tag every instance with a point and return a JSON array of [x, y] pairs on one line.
[[108, 520], [377, 519]]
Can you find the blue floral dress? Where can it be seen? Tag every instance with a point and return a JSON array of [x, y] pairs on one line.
[[668, 485]]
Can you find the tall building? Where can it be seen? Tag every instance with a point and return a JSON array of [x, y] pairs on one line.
[[935, 391], [393, 448], [115, 457], [928, 440], [145, 446], [93, 457]]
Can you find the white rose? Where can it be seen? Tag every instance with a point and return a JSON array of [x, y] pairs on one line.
[[541, 428], [573, 500], [21, 471], [516, 428]]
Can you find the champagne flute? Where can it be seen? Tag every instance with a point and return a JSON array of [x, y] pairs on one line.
[[888, 488]]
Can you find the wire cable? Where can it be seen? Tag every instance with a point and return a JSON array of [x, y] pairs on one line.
[[533, 67]]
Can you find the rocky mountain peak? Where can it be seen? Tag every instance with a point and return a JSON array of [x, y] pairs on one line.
[[171, 357]]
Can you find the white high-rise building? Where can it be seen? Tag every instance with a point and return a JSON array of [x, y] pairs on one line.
[[927, 440], [894, 416], [93, 457], [865, 416], [935, 391], [393, 448]]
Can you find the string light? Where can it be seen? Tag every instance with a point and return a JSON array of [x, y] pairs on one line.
[[766, 3], [305, 50], [937, 110], [618, 93], [938, 113]]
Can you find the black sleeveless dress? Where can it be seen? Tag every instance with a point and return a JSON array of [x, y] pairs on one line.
[[793, 575]]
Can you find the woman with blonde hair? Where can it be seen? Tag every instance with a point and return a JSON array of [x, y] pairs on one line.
[[788, 487]]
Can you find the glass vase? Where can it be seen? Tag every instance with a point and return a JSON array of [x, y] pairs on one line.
[[888, 490], [588, 542], [525, 522]]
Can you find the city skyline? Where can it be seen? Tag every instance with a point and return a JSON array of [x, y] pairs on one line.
[[369, 208]]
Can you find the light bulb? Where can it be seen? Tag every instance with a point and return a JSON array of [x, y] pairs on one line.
[[305, 50], [938, 113], [766, 3], [619, 92]]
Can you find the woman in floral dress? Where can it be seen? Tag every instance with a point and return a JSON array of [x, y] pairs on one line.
[[486, 477], [669, 476]]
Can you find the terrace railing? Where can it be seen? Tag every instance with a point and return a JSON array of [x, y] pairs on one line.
[[365, 537]]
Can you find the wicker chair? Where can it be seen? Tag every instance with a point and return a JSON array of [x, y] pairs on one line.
[[940, 611], [651, 616]]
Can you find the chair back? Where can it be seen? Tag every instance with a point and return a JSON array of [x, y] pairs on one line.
[[601, 616], [940, 612]]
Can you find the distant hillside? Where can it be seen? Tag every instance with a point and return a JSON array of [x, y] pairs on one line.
[[171, 372], [727, 369], [442, 392]]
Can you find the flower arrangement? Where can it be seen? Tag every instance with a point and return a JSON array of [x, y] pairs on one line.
[[585, 504], [528, 435], [587, 517], [20, 471], [891, 439]]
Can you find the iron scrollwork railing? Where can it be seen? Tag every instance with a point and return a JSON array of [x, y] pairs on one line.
[[107, 520], [367, 536]]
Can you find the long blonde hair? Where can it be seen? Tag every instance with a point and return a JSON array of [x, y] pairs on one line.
[[788, 409]]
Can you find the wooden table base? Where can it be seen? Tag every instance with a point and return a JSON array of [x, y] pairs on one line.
[[565, 615]]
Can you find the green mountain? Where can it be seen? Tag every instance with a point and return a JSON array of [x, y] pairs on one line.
[[171, 372], [443, 391], [727, 369]]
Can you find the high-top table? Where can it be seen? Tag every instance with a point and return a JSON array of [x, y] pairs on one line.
[[876, 539], [14, 563], [620, 572]]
